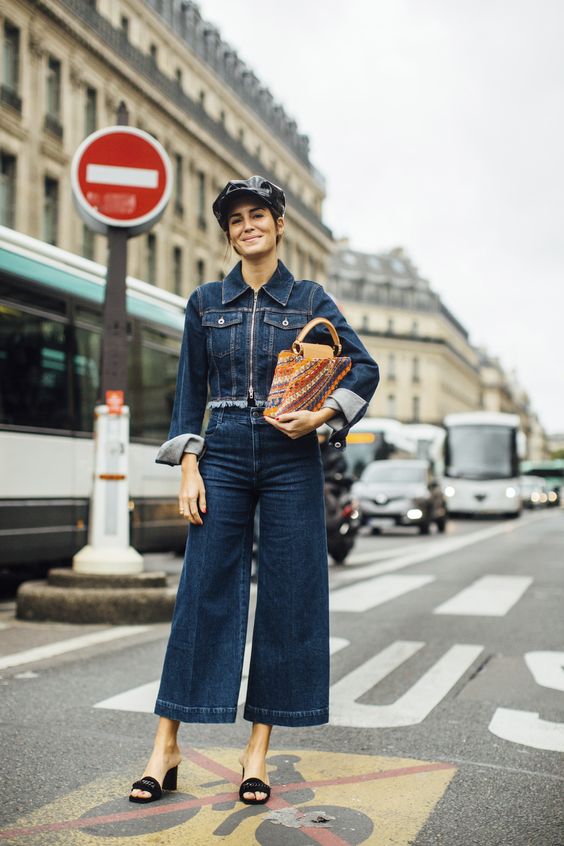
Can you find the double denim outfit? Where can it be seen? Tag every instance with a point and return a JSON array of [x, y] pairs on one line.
[[231, 341]]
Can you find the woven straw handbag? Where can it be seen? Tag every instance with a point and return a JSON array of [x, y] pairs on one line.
[[307, 374]]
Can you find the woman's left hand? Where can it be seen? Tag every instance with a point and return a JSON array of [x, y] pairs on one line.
[[295, 424]]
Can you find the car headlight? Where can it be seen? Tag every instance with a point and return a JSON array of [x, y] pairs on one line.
[[414, 514], [535, 497], [552, 496], [449, 490], [510, 492]]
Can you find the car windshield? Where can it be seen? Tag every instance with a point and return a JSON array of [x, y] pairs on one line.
[[380, 471]]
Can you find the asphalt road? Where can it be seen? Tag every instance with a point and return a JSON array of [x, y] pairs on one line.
[[447, 712]]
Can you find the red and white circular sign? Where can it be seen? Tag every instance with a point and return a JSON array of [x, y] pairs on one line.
[[121, 176]]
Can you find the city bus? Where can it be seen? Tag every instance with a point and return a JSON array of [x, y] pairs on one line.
[[375, 438], [50, 337], [482, 452], [552, 471]]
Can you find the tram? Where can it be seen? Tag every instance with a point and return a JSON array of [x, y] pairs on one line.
[[50, 339]]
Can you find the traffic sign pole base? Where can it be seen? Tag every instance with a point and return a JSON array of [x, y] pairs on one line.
[[70, 597], [107, 560]]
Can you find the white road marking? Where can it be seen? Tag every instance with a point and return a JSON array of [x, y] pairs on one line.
[[142, 699], [368, 594], [547, 668], [526, 728], [376, 555], [435, 549], [131, 177], [414, 705], [489, 596], [39, 653]]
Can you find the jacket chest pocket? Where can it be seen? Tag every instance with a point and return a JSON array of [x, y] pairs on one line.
[[280, 330], [223, 332]]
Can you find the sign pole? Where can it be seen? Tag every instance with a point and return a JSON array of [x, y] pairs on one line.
[[121, 185]]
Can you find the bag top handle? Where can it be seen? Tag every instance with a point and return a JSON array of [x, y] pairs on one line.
[[316, 320]]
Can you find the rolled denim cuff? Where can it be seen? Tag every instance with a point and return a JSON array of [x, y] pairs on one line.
[[347, 403], [171, 451]]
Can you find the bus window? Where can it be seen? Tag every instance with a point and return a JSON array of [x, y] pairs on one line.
[[34, 387], [85, 364], [153, 399]]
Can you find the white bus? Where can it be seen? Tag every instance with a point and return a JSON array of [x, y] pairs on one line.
[[482, 452], [50, 332]]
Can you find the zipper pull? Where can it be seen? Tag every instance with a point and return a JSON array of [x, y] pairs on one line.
[[251, 391]]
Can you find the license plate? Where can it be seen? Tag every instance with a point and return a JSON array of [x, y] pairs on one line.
[[382, 522]]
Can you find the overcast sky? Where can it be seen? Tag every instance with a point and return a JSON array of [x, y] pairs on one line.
[[439, 126]]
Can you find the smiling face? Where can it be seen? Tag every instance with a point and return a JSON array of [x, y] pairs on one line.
[[252, 230]]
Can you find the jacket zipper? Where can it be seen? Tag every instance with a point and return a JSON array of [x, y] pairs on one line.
[[251, 389]]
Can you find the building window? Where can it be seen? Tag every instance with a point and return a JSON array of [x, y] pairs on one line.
[[391, 405], [177, 269], [87, 242], [178, 184], [50, 210], [90, 111], [222, 117], [124, 25], [414, 328], [11, 75], [365, 324], [54, 87], [390, 328], [153, 53], [416, 409], [152, 258], [391, 367], [200, 271], [178, 77], [201, 199], [7, 190], [203, 99], [415, 375]]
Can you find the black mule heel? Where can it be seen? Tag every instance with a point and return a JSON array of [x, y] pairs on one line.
[[171, 779], [151, 785], [253, 785]]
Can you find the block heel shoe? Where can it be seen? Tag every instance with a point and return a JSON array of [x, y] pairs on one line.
[[151, 785], [253, 785]]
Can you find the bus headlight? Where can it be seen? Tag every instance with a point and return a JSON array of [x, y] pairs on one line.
[[552, 496], [449, 490], [510, 493], [535, 497]]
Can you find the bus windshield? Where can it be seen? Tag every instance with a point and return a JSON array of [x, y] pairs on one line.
[[481, 452]]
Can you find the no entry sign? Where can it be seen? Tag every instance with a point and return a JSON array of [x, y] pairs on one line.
[[121, 176]]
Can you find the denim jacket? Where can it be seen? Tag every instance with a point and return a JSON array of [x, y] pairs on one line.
[[232, 337]]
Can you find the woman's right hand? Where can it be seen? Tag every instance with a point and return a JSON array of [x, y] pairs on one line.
[[192, 493]]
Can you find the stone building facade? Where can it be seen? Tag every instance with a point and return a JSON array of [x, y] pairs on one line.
[[428, 366], [66, 66]]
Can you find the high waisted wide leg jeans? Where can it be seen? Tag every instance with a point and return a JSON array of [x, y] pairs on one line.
[[248, 461]]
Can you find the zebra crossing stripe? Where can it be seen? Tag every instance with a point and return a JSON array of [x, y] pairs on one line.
[[372, 592], [490, 596]]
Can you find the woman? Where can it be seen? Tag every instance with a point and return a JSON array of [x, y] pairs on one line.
[[233, 332]]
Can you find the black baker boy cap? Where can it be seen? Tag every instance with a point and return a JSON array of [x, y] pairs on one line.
[[268, 193]]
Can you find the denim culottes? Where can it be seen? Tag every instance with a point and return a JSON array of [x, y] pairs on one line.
[[248, 461]]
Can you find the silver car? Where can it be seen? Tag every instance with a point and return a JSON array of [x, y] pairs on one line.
[[400, 492]]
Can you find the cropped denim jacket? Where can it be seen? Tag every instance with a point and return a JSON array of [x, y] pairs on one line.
[[232, 337]]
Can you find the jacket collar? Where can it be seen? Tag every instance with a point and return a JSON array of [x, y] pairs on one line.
[[279, 286]]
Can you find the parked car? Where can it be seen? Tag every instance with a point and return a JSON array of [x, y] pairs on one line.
[[400, 492], [534, 492]]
